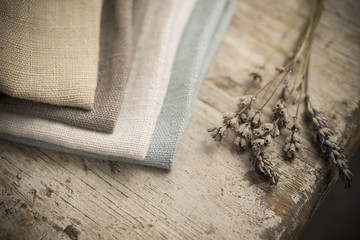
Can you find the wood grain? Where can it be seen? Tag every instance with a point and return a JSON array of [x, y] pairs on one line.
[[212, 192]]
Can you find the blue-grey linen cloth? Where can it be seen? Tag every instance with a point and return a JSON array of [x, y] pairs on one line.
[[199, 42]]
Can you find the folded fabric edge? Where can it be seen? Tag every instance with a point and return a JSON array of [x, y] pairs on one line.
[[82, 100], [217, 35], [218, 32]]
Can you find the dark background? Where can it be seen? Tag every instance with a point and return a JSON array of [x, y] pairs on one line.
[[338, 216]]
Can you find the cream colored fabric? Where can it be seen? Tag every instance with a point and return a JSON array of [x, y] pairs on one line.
[[163, 24], [49, 50]]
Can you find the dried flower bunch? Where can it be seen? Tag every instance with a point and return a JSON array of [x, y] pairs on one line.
[[254, 133]]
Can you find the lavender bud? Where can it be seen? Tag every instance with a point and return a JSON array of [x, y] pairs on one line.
[[256, 118], [242, 127], [211, 129], [296, 137], [276, 132], [268, 127], [297, 146], [223, 131], [247, 132], [256, 145], [327, 131], [287, 147], [321, 120], [243, 117], [258, 142], [251, 114], [332, 158], [243, 143], [330, 144], [337, 154], [296, 125], [214, 131], [229, 116], [268, 139], [258, 132], [279, 105], [315, 122], [246, 100], [237, 140], [234, 123], [292, 147]]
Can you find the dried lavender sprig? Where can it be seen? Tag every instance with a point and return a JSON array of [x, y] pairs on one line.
[[293, 142], [265, 168], [322, 135], [262, 135], [233, 120]]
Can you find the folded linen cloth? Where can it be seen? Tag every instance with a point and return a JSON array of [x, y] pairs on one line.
[[121, 23], [144, 94], [49, 50], [198, 44]]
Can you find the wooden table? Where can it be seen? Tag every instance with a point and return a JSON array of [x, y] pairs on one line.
[[213, 191]]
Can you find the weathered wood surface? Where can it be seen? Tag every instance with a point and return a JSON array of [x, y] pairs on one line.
[[213, 191]]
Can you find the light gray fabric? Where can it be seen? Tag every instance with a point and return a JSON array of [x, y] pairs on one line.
[[198, 44]]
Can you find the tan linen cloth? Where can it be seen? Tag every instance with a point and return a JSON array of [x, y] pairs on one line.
[[121, 22], [49, 50], [163, 25]]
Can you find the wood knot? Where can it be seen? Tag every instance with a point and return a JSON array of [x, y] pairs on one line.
[[72, 232]]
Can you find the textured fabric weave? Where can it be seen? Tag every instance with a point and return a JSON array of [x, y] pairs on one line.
[[199, 42], [49, 50], [144, 94], [121, 23]]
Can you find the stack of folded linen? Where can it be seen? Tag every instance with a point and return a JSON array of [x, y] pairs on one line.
[[112, 80]]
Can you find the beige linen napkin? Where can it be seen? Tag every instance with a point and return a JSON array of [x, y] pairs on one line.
[[121, 23], [49, 50], [163, 24]]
